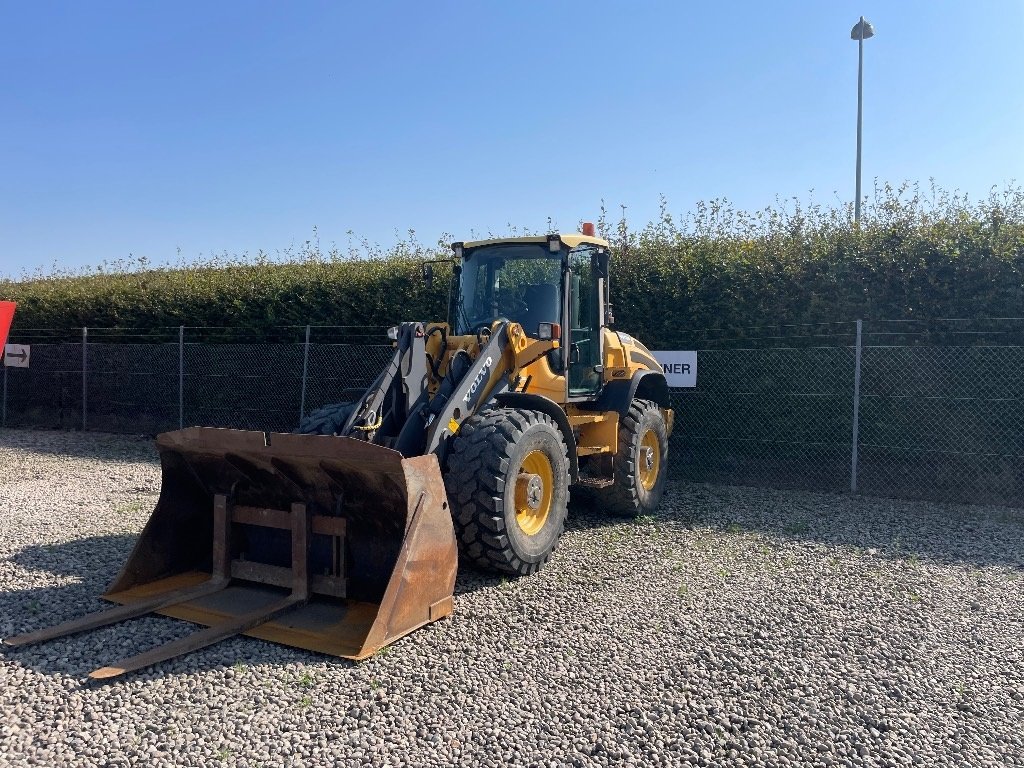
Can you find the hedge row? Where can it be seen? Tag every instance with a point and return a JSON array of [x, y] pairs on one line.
[[914, 255]]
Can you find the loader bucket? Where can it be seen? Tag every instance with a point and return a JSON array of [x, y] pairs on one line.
[[330, 544]]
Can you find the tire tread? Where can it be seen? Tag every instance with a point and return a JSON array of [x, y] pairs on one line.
[[326, 420], [622, 497], [476, 479]]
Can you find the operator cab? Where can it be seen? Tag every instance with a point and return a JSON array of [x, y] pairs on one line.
[[549, 285]]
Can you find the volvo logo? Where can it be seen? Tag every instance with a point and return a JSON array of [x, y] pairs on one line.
[[480, 379]]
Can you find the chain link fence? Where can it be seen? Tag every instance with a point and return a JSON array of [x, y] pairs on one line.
[[774, 417], [120, 380], [908, 409], [942, 411]]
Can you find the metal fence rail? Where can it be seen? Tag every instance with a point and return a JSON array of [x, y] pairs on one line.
[[931, 410]]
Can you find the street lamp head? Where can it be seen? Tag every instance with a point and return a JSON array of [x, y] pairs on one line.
[[862, 30]]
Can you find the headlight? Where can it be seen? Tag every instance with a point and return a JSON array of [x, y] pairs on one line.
[[547, 331]]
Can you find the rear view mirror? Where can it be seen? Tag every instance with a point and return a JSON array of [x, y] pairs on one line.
[[428, 274]]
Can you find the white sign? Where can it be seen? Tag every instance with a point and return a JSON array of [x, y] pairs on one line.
[[16, 355], [680, 367]]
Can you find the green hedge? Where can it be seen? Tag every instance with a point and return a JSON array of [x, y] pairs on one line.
[[915, 254]]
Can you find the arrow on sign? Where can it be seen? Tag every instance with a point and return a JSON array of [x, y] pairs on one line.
[[17, 355]]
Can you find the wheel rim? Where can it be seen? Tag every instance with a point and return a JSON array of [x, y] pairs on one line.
[[649, 460], [534, 485]]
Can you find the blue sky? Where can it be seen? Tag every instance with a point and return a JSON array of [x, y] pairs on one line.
[[156, 128]]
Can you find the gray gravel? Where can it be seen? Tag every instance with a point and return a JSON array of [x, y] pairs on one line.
[[738, 626]]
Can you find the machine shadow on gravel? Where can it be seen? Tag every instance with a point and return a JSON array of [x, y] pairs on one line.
[[93, 562], [583, 515], [92, 559]]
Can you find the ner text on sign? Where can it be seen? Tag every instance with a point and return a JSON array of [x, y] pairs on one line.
[[680, 367]]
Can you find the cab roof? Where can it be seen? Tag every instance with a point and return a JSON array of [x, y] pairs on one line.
[[573, 240]]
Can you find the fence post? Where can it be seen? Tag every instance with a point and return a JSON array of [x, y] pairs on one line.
[[305, 370], [85, 368], [856, 410], [181, 377]]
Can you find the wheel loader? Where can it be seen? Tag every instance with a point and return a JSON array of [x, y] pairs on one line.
[[347, 535]]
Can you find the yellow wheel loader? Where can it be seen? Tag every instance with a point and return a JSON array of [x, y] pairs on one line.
[[346, 536]]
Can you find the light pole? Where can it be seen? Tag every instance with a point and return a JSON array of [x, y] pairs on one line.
[[861, 31]]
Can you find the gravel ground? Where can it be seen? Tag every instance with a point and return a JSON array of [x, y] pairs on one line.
[[738, 626]]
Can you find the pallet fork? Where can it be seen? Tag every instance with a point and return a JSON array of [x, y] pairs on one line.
[[357, 551]]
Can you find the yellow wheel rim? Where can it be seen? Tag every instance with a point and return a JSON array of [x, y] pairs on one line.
[[649, 460], [534, 485]]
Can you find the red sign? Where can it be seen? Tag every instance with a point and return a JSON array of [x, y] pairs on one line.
[[6, 317]]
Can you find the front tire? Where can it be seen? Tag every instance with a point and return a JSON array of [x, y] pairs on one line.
[[508, 484]]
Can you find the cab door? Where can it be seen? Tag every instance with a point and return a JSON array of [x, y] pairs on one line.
[[584, 314]]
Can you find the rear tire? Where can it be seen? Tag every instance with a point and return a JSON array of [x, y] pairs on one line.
[[327, 420], [641, 459], [507, 480]]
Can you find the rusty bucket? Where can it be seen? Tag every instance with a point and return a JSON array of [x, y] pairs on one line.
[[330, 544]]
